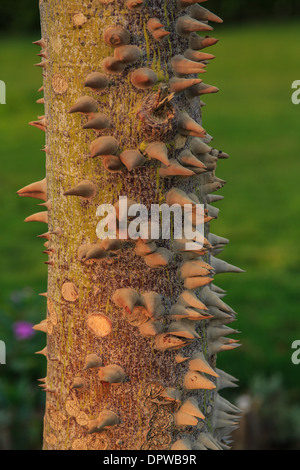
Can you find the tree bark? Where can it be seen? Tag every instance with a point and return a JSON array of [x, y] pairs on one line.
[[137, 404]]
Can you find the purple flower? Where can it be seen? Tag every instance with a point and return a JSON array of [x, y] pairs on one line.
[[23, 330]]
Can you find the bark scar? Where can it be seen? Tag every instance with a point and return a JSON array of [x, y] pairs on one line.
[[158, 114]]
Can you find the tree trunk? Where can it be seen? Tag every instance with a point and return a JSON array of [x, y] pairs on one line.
[[131, 355]]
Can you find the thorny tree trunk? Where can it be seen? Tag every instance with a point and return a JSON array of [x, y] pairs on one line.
[[128, 369]]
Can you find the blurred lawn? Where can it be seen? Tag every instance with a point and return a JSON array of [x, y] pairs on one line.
[[253, 119], [21, 164]]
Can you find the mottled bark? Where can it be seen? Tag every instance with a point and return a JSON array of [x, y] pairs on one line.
[[74, 47]]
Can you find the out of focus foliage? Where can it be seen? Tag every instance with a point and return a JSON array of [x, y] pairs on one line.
[[20, 16], [21, 400], [271, 416], [23, 15], [249, 10]]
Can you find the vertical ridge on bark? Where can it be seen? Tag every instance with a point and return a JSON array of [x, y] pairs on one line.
[[131, 348]]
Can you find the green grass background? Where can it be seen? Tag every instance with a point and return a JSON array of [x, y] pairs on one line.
[[254, 120]]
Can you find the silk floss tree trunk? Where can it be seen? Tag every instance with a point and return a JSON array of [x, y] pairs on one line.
[[133, 325]]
